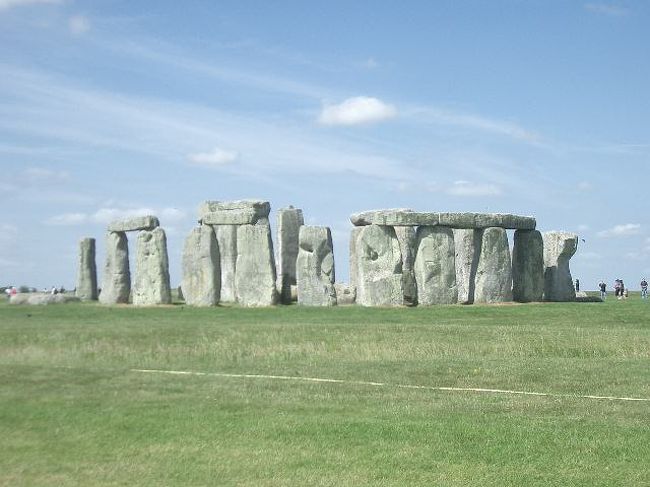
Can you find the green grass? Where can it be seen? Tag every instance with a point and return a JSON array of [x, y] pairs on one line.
[[73, 412]]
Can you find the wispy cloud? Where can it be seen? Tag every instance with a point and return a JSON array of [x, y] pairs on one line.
[[7, 4], [608, 9], [585, 186], [356, 111], [109, 214], [625, 230], [67, 219], [78, 25], [467, 188], [215, 158], [474, 122]]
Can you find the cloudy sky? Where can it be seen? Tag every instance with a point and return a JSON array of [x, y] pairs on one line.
[[111, 108]]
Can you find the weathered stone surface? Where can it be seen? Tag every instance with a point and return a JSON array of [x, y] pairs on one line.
[[406, 217], [435, 267], [201, 268], [116, 281], [527, 266], [379, 267], [394, 217], [227, 244], [315, 267], [151, 282], [289, 222], [559, 247], [148, 222], [42, 298], [87, 273], [494, 271], [255, 274], [487, 220], [345, 294], [354, 263], [242, 212], [468, 247], [408, 246]]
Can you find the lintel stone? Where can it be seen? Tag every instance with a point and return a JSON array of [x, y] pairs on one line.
[[147, 222]]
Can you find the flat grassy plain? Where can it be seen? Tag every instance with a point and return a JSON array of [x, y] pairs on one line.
[[74, 411]]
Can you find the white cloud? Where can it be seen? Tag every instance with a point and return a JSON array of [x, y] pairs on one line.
[[607, 9], [172, 215], [39, 174], [585, 186], [68, 219], [107, 215], [588, 256], [7, 4], [467, 188], [78, 25], [583, 228], [357, 110], [215, 158], [625, 230], [370, 63]]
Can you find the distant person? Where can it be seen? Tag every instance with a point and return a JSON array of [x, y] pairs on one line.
[[623, 290], [603, 290], [8, 292], [617, 288], [54, 290], [577, 285], [14, 291], [644, 289]]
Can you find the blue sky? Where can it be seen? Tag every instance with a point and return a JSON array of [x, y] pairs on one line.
[[114, 108]]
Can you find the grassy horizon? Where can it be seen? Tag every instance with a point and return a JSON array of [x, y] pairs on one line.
[[72, 410]]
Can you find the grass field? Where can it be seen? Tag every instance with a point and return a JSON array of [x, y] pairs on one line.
[[74, 410]]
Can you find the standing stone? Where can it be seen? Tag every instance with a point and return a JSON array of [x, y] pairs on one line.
[[344, 294], [87, 272], [435, 266], [468, 247], [559, 247], [379, 267], [290, 221], [354, 264], [255, 276], [201, 270], [527, 266], [494, 271], [116, 282], [227, 245], [151, 283], [407, 245], [315, 267]]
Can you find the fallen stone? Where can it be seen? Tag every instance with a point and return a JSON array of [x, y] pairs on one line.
[[345, 294], [116, 281], [151, 282], [147, 222], [227, 245], [288, 228], [559, 247], [394, 217], [37, 299], [435, 267], [255, 278], [379, 267], [527, 266], [315, 267], [242, 212], [494, 271], [468, 247], [407, 245], [86, 289], [201, 270]]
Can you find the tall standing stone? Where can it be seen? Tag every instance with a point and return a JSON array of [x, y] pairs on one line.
[[201, 271], [527, 266], [255, 277], [354, 264], [315, 267], [379, 267], [87, 273], [435, 267], [227, 244], [116, 282], [494, 271], [290, 220], [468, 247], [151, 282], [559, 247], [407, 245]]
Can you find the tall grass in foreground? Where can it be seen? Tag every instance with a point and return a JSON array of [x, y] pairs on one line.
[[73, 412]]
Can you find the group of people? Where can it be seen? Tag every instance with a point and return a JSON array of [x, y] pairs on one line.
[[620, 291]]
